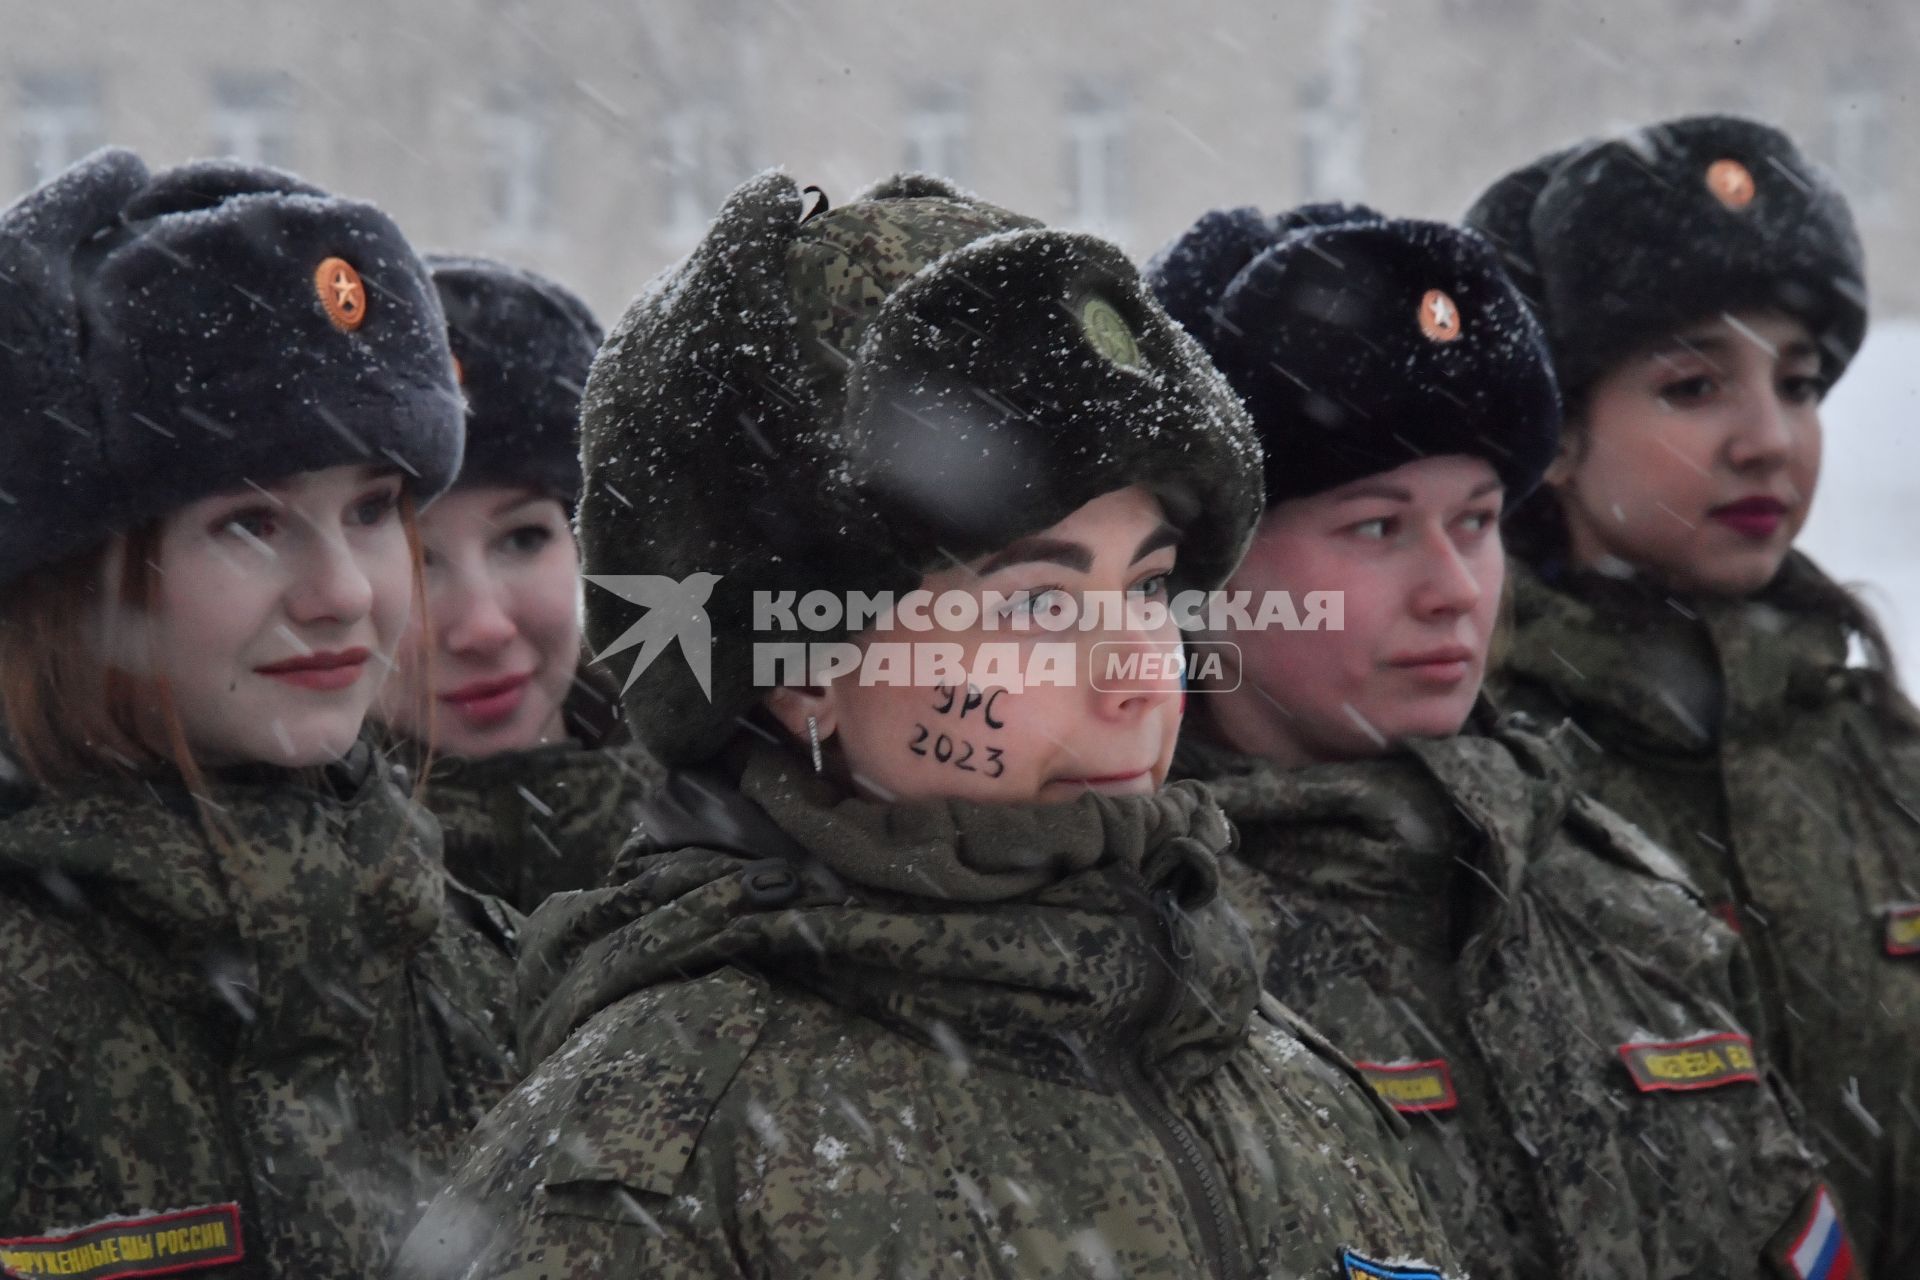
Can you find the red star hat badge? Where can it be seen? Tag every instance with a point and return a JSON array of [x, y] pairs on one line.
[[342, 294]]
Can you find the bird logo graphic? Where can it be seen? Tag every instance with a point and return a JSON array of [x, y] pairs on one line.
[[676, 610]]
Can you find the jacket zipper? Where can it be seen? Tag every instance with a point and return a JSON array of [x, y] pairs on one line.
[[247, 1194], [1198, 1182]]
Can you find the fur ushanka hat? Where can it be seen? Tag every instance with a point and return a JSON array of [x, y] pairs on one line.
[[1361, 343], [843, 401], [522, 346], [166, 337], [1620, 242]]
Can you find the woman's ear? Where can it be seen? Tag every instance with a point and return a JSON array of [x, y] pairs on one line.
[[791, 705], [1566, 457]]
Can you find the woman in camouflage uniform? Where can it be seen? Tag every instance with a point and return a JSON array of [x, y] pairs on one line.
[[1534, 984], [534, 778], [247, 1015], [1701, 285], [924, 979]]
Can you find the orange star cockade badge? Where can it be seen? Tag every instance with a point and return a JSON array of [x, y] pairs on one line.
[[1439, 317], [1731, 183], [342, 294]]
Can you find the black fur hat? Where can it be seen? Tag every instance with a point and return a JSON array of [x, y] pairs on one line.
[[1620, 242], [1360, 343], [522, 346], [845, 401], [166, 337]]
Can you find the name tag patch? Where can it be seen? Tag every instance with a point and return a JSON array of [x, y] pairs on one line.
[[1903, 930], [1412, 1087], [1813, 1245], [1706, 1062], [162, 1244], [1354, 1266]]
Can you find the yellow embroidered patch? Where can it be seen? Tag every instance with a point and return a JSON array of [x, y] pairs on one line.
[[1903, 930], [1412, 1087], [1704, 1062], [159, 1244]]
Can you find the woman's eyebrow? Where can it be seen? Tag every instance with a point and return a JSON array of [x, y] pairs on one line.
[[1389, 492], [1072, 555], [1164, 536]]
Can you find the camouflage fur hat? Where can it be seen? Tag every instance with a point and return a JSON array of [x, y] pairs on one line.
[[1619, 242], [843, 401]]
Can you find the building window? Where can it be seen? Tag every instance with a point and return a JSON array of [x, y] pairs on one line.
[[1096, 127], [936, 135], [702, 157], [253, 118], [59, 122], [514, 140], [1859, 143]]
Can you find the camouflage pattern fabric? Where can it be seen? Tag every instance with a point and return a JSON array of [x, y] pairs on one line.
[[1484, 941], [523, 825], [303, 1027], [843, 264], [764, 1064], [1735, 734]]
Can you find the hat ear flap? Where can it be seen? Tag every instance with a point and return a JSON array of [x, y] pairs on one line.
[[47, 420], [705, 381]]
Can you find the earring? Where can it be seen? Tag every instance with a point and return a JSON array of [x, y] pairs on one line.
[[813, 740]]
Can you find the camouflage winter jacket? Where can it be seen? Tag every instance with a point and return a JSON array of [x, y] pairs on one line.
[[843, 1039], [1539, 990], [251, 1064], [526, 824], [1736, 735]]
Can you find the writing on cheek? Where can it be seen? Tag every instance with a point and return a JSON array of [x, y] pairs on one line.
[[961, 752], [948, 698]]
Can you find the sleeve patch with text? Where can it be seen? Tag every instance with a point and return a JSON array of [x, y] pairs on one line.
[[1705, 1062], [1412, 1087], [163, 1244]]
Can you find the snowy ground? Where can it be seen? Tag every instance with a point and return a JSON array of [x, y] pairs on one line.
[[1865, 528]]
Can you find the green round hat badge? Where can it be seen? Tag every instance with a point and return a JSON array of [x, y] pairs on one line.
[[1107, 330]]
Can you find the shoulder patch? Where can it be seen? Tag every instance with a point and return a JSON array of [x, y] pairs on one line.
[[642, 1108], [1813, 1245], [1682, 1066], [1412, 1088], [160, 1244], [1903, 929], [1355, 1266]]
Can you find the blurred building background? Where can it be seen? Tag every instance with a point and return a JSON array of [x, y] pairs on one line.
[[592, 139]]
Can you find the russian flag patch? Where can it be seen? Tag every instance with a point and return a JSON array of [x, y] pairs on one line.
[[1814, 1244]]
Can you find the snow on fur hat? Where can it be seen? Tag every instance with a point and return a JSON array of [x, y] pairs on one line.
[[522, 345], [165, 337], [847, 400], [1361, 343], [1620, 242]]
